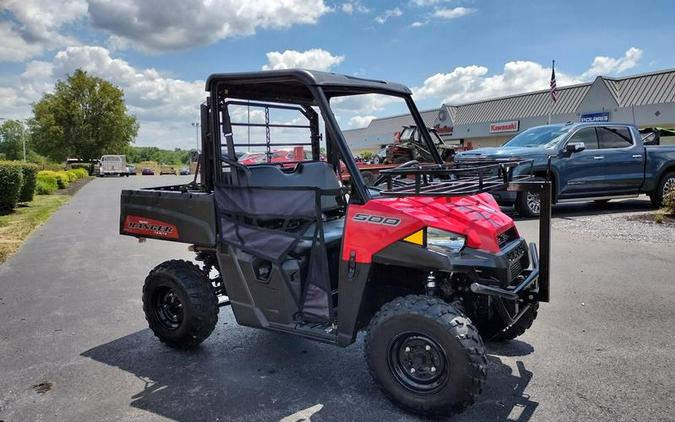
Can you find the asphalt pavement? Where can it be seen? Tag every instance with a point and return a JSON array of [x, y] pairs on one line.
[[74, 344]]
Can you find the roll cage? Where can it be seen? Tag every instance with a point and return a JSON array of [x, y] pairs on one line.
[[294, 89]]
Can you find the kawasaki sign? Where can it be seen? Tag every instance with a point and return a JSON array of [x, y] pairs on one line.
[[595, 117], [504, 127]]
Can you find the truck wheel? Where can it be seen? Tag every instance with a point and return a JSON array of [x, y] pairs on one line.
[[426, 355], [490, 329], [179, 304], [666, 185], [528, 204]]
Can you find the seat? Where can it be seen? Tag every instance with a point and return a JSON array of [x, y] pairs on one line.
[[317, 174], [332, 234]]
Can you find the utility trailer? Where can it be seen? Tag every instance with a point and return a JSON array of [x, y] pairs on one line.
[[425, 262]]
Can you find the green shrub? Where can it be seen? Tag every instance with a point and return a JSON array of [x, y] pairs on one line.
[[669, 202], [62, 179], [83, 166], [46, 185], [11, 179], [71, 176], [29, 180], [81, 172]]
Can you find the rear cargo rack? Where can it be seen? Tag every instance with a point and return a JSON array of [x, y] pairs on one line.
[[467, 177]]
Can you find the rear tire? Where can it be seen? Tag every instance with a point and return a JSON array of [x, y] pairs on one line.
[[426, 356], [528, 204], [667, 182], [179, 304]]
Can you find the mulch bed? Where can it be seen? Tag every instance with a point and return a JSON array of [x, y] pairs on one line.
[[75, 186]]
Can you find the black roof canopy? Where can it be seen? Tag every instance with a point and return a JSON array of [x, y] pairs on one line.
[[293, 84]]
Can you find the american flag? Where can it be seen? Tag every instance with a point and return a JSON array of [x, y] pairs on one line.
[[554, 87]]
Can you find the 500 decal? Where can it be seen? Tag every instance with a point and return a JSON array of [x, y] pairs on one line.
[[376, 219]]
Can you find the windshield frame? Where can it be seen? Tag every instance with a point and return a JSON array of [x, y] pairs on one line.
[[325, 93]]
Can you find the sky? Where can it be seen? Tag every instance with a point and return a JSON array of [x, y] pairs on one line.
[[446, 51]]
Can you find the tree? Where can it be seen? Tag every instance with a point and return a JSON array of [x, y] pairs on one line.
[[12, 136], [84, 118]]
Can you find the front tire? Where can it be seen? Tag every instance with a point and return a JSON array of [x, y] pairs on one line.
[[491, 325], [179, 304], [528, 204], [426, 356]]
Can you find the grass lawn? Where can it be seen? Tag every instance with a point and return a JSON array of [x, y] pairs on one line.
[[17, 225]]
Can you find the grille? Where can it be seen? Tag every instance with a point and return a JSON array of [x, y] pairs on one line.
[[517, 258], [507, 237]]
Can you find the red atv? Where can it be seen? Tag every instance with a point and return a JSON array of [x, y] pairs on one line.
[[426, 263]]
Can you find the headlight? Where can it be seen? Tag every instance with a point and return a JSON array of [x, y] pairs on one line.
[[444, 241]]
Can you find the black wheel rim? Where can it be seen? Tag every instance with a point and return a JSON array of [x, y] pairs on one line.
[[168, 308], [418, 362]]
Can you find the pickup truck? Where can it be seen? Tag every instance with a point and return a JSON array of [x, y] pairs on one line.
[[589, 162]]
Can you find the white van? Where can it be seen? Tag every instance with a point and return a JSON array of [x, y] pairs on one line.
[[115, 165]]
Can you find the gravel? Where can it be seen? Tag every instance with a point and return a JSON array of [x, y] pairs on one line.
[[627, 226]]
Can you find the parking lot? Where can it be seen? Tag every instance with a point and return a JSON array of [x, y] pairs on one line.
[[75, 345]]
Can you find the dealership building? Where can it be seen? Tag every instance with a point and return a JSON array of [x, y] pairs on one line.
[[646, 100]]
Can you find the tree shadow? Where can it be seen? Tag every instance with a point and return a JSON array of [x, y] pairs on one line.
[[258, 375]]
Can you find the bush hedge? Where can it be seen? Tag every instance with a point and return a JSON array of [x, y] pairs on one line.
[[82, 166], [81, 172], [29, 181], [11, 179], [62, 179], [46, 183]]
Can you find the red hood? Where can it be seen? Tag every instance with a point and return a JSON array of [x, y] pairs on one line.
[[477, 217]]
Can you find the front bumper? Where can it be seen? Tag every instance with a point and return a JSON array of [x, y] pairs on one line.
[[526, 286], [514, 273]]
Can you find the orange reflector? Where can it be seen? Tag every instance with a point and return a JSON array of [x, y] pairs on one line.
[[416, 238]]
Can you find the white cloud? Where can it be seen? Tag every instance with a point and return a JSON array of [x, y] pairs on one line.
[[453, 13], [360, 121], [387, 14], [164, 106], [354, 6], [13, 47], [316, 59], [425, 3], [181, 24], [36, 25], [470, 83], [418, 24], [603, 65]]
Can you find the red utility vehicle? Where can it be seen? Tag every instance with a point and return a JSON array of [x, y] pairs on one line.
[[425, 262]]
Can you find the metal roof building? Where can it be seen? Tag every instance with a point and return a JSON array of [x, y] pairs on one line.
[[647, 100]]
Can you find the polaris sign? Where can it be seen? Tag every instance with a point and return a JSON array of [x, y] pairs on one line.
[[595, 117]]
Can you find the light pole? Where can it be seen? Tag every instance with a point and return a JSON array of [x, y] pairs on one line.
[[196, 126], [23, 138]]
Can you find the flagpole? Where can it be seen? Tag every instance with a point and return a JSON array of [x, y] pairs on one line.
[[550, 107]]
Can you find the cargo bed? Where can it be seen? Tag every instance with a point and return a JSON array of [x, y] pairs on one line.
[[168, 214]]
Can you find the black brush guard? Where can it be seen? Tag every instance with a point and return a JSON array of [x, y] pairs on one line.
[[474, 177]]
